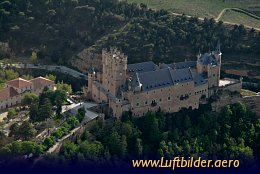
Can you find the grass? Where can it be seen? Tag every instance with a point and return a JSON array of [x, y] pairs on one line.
[[237, 17], [204, 8]]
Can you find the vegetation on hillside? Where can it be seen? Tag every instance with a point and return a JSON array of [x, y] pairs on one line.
[[202, 8], [231, 134], [57, 30]]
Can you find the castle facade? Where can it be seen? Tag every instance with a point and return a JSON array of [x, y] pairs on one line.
[[144, 87]]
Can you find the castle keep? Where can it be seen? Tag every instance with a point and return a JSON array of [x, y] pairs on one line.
[[143, 87]]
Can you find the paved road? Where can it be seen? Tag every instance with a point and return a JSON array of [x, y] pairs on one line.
[[62, 69]]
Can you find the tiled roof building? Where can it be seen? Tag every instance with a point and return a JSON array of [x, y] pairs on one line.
[[14, 90]]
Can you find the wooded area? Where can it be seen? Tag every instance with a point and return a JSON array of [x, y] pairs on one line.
[[57, 30]]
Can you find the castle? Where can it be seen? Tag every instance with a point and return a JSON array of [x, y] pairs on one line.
[[143, 87]]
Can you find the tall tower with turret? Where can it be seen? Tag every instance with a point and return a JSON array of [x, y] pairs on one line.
[[114, 70], [209, 65]]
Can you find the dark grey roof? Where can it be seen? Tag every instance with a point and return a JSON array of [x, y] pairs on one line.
[[91, 70], [141, 67], [153, 79], [198, 79], [181, 75], [161, 78], [207, 59]]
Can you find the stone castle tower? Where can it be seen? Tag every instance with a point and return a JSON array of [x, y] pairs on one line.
[[114, 70], [209, 65]]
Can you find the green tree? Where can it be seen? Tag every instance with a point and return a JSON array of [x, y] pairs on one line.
[[51, 77], [73, 121], [14, 128], [59, 103], [64, 87], [45, 110], [10, 75], [114, 143], [26, 131], [34, 56], [70, 150], [33, 112], [123, 151], [27, 77], [49, 142], [81, 114], [11, 113], [187, 122], [29, 99], [91, 151], [138, 147]]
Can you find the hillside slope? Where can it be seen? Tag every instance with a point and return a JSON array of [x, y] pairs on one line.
[[59, 30]]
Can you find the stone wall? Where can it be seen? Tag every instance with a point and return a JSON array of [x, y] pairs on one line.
[[253, 103], [225, 98], [170, 99]]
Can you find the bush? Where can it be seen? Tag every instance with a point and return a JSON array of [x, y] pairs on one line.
[[49, 142]]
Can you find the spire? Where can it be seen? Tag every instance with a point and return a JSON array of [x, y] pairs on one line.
[[199, 55], [91, 69], [218, 47]]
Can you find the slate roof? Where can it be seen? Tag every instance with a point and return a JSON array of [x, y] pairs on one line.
[[182, 75], [207, 59], [161, 78], [141, 67]]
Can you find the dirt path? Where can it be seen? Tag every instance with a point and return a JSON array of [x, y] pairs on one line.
[[236, 9], [221, 13]]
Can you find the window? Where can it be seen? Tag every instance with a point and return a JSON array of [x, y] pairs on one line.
[[137, 104], [146, 102], [169, 98], [160, 100]]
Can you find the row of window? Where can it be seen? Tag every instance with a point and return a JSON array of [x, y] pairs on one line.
[[201, 91], [142, 114], [182, 97]]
